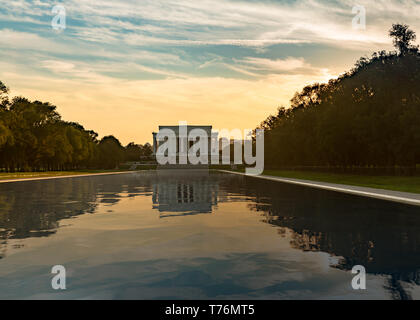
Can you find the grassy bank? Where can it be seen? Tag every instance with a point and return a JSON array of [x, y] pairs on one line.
[[28, 175], [396, 183]]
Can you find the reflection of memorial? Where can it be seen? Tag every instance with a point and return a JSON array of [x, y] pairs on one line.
[[184, 195]]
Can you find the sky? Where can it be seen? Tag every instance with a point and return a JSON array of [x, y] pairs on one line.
[[125, 67]]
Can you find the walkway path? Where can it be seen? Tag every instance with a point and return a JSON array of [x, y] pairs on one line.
[[396, 196], [67, 176]]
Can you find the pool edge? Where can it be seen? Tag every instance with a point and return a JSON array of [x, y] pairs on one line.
[[382, 194]]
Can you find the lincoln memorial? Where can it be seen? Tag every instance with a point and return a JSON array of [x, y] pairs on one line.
[[184, 140]]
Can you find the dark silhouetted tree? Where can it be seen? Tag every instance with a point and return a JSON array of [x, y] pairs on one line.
[[367, 117], [402, 37], [111, 152]]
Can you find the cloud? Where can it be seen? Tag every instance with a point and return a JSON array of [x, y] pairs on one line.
[[223, 22], [245, 23], [224, 62], [288, 64], [11, 39], [222, 102], [59, 66], [141, 40], [260, 67], [97, 73]]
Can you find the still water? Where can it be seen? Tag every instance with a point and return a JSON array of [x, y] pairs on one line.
[[200, 235]]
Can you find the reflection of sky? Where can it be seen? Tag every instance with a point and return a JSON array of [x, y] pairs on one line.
[[131, 253], [206, 60], [125, 250]]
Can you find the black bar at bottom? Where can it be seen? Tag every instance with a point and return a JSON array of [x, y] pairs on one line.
[[208, 309]]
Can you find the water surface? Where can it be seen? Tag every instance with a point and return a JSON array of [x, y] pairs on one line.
[[200, 235]]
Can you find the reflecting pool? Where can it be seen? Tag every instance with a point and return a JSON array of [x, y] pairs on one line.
[[197, 235]]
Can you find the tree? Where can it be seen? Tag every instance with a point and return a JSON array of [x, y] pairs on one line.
[[33, 137], [403, 37], [369, 116], [111, 152], [133, 152], [3, 96], [147, 150]]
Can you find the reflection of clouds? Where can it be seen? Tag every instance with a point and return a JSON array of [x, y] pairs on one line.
[[233, 276]]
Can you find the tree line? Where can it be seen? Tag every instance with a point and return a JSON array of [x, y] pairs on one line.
[[367, 117], [33, 137]]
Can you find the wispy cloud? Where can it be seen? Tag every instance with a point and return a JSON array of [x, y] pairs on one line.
[[284, 65], [226, 55]]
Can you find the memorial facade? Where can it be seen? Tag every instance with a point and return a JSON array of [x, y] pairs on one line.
[[183, 139]]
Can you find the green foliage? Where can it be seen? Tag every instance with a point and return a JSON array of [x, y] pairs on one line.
[[369, 116], [135, 152], [111, 152], [34, 138]]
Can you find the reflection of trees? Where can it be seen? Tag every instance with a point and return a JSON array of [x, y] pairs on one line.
[[382, 236], [34, 208]]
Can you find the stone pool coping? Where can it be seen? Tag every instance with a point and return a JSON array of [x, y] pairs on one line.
[[389, 195], [66, 176], [395, 196]]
